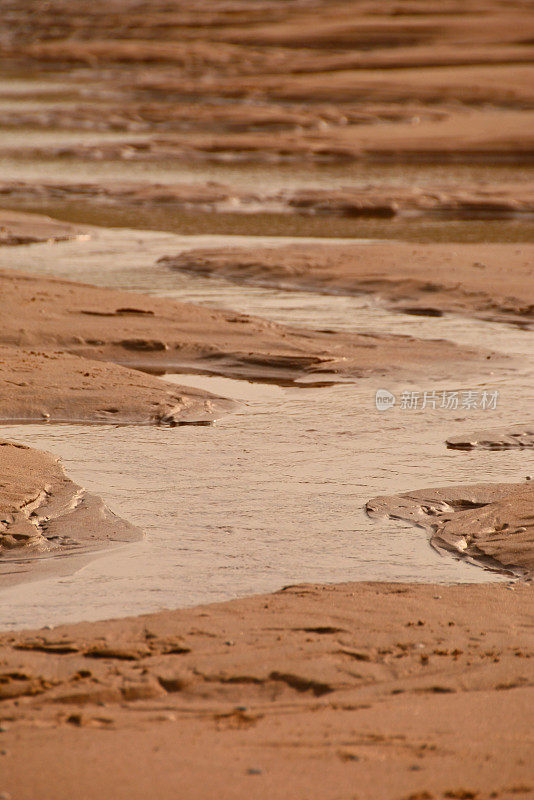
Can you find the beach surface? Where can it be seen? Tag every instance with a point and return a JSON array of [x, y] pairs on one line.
[[44, 516], [404, 132], [356, 690], [430, 279], [154, 333]]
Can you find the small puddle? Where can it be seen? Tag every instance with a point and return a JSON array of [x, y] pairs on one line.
[[245, 391]]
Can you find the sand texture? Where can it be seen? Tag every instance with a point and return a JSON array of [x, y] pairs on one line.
[[468, 279], [277, 82], [357, 690], [53, 386], [516, 436], [149, 332], [19, 228], [490, 523], [43, 514]]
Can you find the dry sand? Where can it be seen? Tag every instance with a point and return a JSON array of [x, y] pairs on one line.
[[363, 690]]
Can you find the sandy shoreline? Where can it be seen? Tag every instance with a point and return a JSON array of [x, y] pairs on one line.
[[45, 516], [490, 523], [309, 682], [53, 386], [475, 200], [430, 279], [153, 333], [386, 690], [194, 115], [19, 228]]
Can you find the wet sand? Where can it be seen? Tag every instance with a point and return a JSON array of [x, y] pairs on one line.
[[361, 690], [19, 228], [43, 514], [491, 523], [430, 279], [517, 436], [151, 333], [470, 200], [332, 83], [48, 385]]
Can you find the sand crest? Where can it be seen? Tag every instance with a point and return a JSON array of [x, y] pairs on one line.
[[490, 523], [419, 278], [43, 513]]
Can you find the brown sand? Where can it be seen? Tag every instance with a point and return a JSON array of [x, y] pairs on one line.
[[462, 138], [53, 386], [43, 513], [356, 691], [362, 691], [155, 333], [489, 523], [516, 436], [335, 81], [474, 200], [494, 282], [19, 228]]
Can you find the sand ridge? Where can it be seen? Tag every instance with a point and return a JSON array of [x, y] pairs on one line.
[[47, 385], [19, 228], [489, 523], [147, 332], [43, 513], [475, 200], [337, 82], [467, 279]]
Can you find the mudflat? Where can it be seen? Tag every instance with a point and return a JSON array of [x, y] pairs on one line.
[[155, 333], [44, 514], [20, 228], [191, 117]]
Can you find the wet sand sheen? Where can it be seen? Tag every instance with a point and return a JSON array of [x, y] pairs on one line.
[[214, 525], [304, 444]]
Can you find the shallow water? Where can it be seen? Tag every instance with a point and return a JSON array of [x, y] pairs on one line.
[[266, 178], [271, 495], [167, 217], [274, 493]]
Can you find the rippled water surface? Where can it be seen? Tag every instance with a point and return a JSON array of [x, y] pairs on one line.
[[274, 493]]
